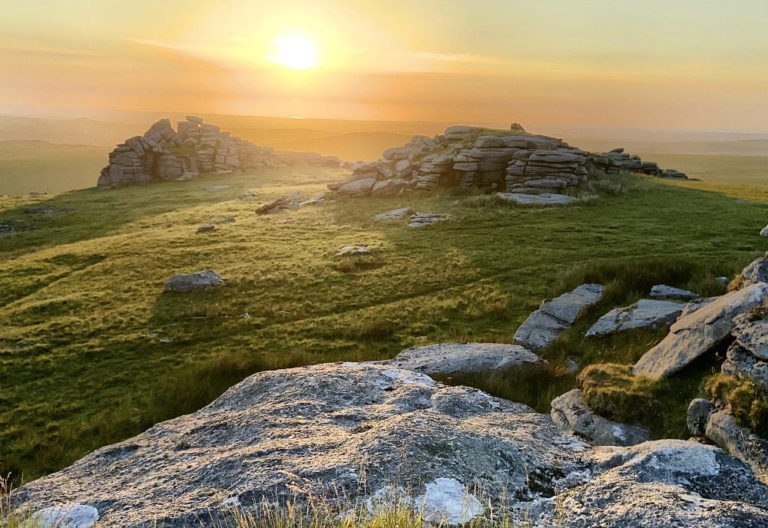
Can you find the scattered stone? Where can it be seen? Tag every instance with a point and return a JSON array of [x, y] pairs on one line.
[[202, 280], [395, 214], [643, 314], [672, 294], [227, 220], [723, 281], [353, 251], [6, 229], [207, 228], [555, 316], [356, 188], [537, 199], [69, 516], [447, 359], [315, 200], [571, 414], [698, 333], [247, 197], [699, 412], [423, 219], [288, 203], [739, 442], [764, 232]]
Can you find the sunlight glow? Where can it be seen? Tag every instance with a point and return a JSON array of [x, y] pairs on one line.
[[294, 52]]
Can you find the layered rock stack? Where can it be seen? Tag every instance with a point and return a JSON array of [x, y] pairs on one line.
[[470, 157], [163, 153]]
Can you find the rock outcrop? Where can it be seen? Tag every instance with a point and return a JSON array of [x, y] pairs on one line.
[[695, 334], [362, 433], [464, 156], [555, 316], [163, 153]]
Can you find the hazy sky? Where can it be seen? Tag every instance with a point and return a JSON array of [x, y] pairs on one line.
[[697, 64]]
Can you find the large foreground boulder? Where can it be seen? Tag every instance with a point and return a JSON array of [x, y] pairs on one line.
[[356, 432], [694, 335]]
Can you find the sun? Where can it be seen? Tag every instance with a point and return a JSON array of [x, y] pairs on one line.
[[295, 52]]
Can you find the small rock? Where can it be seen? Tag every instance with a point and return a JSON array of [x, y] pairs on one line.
[[353, 251], [70, 516], [207, 228], [723, 281], [202, 280], [672, 294], [6, 229], [395, 214], [424, 219], [764, 232], [571, 414], [699, 412], [288, 203], [537, 199]]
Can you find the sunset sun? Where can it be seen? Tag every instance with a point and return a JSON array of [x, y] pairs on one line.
[[294, 52]]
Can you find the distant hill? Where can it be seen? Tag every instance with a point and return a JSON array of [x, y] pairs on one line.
[[367, 146], [39, 166]]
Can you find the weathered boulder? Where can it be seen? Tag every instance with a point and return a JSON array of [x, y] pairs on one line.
[[318, 429], [199, 281], [742, 364], [287, 203], [641, 315], [555, 316], [669, 483], [669, 293], [756, 272], [357, 187], [751, 332], [739, 442], [537, 199], [699, 412], [395, 214], [571, 414], [696, 334], [460, 358]]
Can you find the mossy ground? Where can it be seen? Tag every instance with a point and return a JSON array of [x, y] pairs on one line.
[[92, 351]]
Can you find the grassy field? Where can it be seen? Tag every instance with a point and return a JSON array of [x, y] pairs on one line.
[[92, 351]]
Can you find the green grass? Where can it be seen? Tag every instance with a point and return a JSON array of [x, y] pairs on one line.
[[89, 344]]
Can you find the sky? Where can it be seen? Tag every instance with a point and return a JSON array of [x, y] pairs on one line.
[[687, 64]]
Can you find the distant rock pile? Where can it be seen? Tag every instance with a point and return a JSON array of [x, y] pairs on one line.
[[470, 157], [163, 153]]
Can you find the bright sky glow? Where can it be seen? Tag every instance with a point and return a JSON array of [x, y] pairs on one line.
[[295, 52]]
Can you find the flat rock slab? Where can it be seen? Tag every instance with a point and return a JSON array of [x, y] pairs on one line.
[[537, 199], [395, 214], [199, 281], [461, 358], [696, 334], [643, 314], [669, 293], [555, 316], [315, 428], [353, 251], [357, 188], [424, 219], [751, 332], [571, 414]]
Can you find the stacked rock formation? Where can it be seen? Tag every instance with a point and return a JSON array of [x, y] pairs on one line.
[[163, 153], [479, 157]]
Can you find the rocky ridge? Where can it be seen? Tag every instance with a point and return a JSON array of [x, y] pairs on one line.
[[468, 157], [195, 147]]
